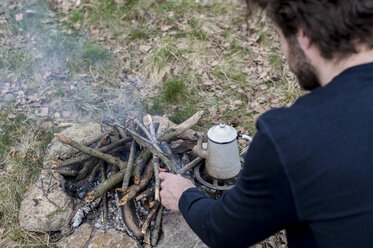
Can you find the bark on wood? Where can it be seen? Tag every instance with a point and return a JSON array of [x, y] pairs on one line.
[[150, 137], [87, 168], [83, 157], [145, 194], [152, 149], [147, 240], [151, 127], [149, 218], [174, 162], [104, 198], [106, 186], [127, 211], [134, 189], [128, 218], [183, 127], [93, 174], [95, 153], [190, 166], [129, 168], [157, 227], [156, 176]]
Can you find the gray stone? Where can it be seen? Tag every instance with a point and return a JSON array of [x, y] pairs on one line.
[[99, 239], [81, 133], [45, 207], [177, 233]]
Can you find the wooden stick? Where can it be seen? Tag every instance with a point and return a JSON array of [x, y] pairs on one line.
[[156, 176], [155, 152], [136, 172], [134, 189], [83, 157], [171, 156], [106, 186], [147, 240], [93, 174], [174, 132], [150, 137], [157, 227], [87, 168], [95, 153], [149, 218], [127, 216], [190, 166], [145, 194], [151, 127], [128, 174], [104, 198]]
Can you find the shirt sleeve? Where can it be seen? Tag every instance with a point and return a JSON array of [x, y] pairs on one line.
[[259, 205]]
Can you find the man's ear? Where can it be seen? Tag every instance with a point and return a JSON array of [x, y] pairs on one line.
[[304, 41]]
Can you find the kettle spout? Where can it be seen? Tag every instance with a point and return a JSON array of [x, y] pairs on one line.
[[199, 150]]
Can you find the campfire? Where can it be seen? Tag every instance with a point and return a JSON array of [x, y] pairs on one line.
[[114, 179]]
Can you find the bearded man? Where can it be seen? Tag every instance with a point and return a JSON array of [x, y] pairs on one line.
[[309, 169]]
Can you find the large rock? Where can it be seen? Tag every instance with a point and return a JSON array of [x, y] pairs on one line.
[[99, 239], [82, 133], [177, 233], [46, 207]]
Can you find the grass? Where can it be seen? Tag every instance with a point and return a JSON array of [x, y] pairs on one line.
[[22, 145]]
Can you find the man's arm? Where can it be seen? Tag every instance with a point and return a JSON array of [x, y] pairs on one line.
[[259, 205]]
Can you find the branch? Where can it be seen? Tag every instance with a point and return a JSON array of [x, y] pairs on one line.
[[95, 153], [139, 140], [83, 157], [134, 189]]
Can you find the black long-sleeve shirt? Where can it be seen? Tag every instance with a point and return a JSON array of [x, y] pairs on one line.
[[309, 170]]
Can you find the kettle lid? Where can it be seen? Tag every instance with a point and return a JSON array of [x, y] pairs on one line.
[[222, 134]]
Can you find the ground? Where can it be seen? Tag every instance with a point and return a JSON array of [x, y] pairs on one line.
[[95, 60]]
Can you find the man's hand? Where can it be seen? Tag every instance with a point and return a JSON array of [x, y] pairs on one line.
[[173, 187]]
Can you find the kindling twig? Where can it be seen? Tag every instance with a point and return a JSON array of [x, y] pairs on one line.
[[95, 153], [157, 227], [151, 148], [149, 218], [104, 198], [128, 174], [145, 194], [147, 240], [151, 127], [83, 157], [190, 166], [134, 189], [107, 185], [156, 176], [150, 137], [175, 165]]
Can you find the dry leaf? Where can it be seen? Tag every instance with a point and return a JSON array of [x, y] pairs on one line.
[[223, 108], [19, 17], [65, 124], [215, 63], [144, 49], [164, 28], [11, 116], [237, 103]]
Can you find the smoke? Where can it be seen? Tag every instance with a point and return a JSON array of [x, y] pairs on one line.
[[50, 72]]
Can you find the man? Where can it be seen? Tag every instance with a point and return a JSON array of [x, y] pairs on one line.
[[310, 166]]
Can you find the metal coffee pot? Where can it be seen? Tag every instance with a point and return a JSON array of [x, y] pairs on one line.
[[221, 154]]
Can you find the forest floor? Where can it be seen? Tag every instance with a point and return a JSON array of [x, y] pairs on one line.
[[95, 61]]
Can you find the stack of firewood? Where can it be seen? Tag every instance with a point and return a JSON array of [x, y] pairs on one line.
[[137, 178]]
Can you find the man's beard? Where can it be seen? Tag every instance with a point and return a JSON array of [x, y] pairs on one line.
[[302, 68]]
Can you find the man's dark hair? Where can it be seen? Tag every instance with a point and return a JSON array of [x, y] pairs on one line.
[[337, 27]]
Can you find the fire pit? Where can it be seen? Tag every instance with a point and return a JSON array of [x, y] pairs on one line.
[[109, 193]]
